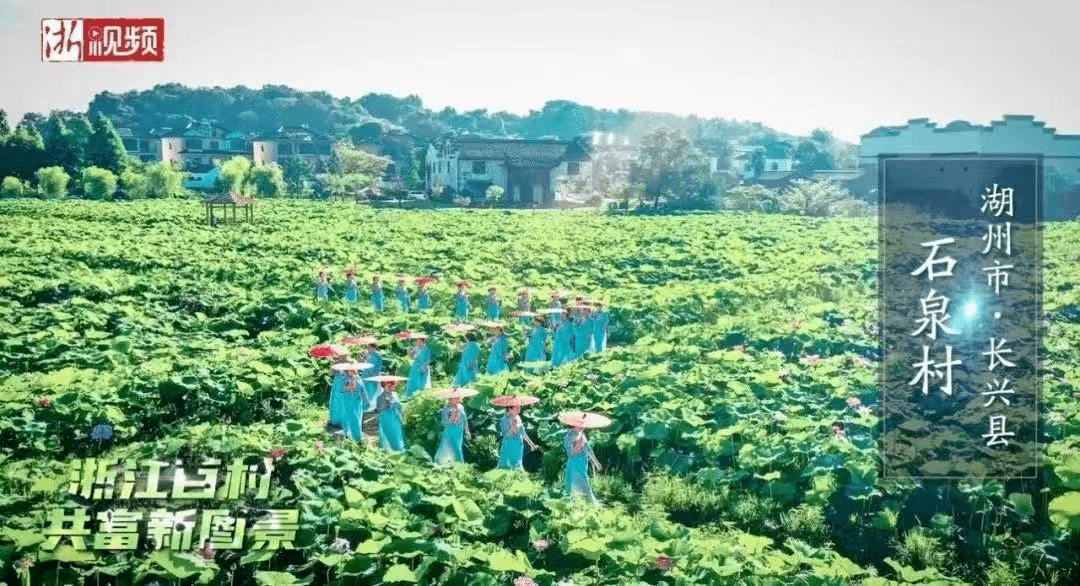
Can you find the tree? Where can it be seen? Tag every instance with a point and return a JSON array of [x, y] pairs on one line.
[[159, 181], [669, 165], [5, 127], [106, 149], [297, 172], [757, 162], [98, 183], [13, 187], [817, 199], [61, 145], [267, 180], [366, 133], [339, 185], [233, 175], [749, 198], [494, 194], [81, 130], [811, 156], [52, 182], [22, 153], [351, 160]]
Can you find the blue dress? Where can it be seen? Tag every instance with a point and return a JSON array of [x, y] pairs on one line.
[[576, 477], [423, 300], [353, 404], [600, 331], [453, 435], [322, 290], [556, 318], [523, 305], [461, 305], [371, 388], [466, 372], [561, 350], [336, 384], [512, 447], [389, 409], [590, 333], [402, 297], [351, 292], [377, 297], [496, 362], [534, 352], [492, 307], [582, 337], [419, 372]]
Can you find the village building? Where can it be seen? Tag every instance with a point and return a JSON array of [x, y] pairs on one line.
[[142, 146], [531, 172], [293, 142], [1013, 135], [198, 147]]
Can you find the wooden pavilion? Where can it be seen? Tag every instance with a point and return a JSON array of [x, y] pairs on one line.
[[226, 201]]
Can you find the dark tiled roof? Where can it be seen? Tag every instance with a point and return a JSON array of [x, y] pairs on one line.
[[520, 153], [293, 133]]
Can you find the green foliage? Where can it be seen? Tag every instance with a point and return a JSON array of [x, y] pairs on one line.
[[105, 148], [5, 126], [749, 198], [267, 180], [98, 183], [52, 182], [668, 166], [297, 172], [815, 199], [189, 341], [233, 175], [13, 187]]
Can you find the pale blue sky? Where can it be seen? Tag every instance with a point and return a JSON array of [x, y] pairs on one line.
[[795, 65]]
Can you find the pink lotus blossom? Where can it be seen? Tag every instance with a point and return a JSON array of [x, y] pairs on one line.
[[664, 563], [864, 410], [319, 448], [277, 453], [861, 361], [207, 552], [810, 359], [44, 402], [524, 581], [541, 544], [839, 432], [563, 383], [24, 565], [853, 402]]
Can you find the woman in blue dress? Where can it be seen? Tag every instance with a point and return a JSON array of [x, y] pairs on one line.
[[582, 333], [423, 297], [391, 420], [556, 318], [420, 371], [600, 328], [371, 388], [524, 305], [491, 310], [376, 293], [500, 348], [461, 302], [322, 286], [534, 352], [579, 303], [337, 382], [353, 404], [562, 344], [466, 372], [578, 457], [590, 331], [352, 290], [402, 294], [514, 439], [455, 428]]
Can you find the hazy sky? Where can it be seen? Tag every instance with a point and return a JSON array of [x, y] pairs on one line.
[[795, 65]]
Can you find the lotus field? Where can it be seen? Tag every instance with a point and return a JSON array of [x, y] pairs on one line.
[[740, 376]]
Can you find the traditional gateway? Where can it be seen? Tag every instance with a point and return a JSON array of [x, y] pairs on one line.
[[530, 172]]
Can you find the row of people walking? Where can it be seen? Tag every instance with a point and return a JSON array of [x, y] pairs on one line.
[[352, 401]]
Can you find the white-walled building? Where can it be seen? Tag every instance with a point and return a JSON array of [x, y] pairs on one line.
[[293, 142], [529, 171], [1013, 135]]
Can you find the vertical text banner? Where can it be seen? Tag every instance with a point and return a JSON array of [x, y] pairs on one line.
[[961, 303]]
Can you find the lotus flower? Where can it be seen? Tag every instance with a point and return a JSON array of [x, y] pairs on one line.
[[778, 416], [664, 563], [277, 453], [319, 448], [864, 410], [810, 360], [44, 402], [853, 402], [563, 383], [340, 545], [24, 565], [524, 581], [541, 544], [839, 432], [207, 552]]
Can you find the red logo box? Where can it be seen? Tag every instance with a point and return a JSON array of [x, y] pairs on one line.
[[102, 39]]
